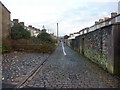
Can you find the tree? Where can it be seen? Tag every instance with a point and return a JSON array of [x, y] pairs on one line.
[[45, 37], [18, 32]]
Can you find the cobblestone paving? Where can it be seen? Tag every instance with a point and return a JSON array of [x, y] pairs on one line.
[[15, 66], [71, 71], [0, 71]]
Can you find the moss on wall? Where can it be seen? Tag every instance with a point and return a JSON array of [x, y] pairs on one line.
[[97, 47]]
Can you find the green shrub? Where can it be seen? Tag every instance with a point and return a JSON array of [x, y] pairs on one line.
[[35, 40], [6, 48], [47, 48], [42, 44], [18, 32], [45, 37]]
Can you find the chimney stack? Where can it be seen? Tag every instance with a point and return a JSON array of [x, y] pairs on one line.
[[113, 14], [30, 26], [22, 24], [96, 22], [15, 21], [100, 20]]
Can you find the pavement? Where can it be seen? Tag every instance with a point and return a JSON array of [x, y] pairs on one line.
[[66, 68], [17, 65]]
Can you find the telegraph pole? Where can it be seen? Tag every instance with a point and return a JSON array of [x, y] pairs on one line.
[[57, 30]]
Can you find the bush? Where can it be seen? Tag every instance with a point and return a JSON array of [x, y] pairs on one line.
[[45, 38], [35, 40], [25, 41], [30, 46], [18, 32], [47, 48], [42, 44], [6, 47]]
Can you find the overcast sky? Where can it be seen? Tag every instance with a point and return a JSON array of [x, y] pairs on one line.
[[72, 15]]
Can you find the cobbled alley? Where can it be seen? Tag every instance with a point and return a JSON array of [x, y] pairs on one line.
[[71, 70]]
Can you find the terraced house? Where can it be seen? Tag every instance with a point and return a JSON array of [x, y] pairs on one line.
[[5, 22]]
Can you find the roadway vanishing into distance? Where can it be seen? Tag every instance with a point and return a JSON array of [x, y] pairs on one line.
[[66, 68]]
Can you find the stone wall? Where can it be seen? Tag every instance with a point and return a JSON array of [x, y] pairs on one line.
[[0, 24], [116, 49], [5, 21], [102, 47]]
